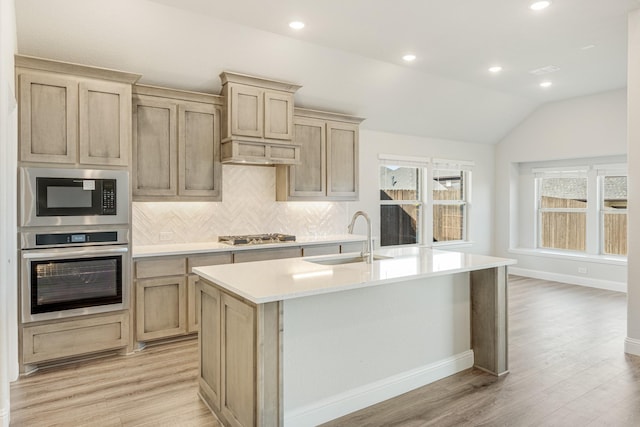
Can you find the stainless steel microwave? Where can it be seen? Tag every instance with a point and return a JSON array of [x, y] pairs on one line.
[[51, 197]]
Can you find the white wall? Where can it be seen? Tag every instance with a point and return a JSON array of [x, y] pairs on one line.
[[350, 350], [187, 50], [592, 126], [481, 207], [632, 344], [8, 270], [248, 199]]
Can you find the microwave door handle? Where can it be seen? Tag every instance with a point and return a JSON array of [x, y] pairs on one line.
[[57, 253]]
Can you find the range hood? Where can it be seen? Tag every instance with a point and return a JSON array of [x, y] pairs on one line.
[[259, 152], [257, 125]]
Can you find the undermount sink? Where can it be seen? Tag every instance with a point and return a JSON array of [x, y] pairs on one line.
[[346, 260]]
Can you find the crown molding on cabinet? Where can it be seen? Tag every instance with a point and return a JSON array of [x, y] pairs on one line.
[[43, 64]]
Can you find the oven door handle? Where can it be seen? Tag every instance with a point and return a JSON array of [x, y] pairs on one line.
[[58, 253]]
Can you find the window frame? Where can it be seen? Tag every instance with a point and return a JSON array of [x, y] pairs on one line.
[[464, 202], [425, 202], [419, 203], [595, 211], [603, 210], [559, 173]]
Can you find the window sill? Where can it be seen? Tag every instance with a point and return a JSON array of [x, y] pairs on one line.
[[456, 244], [572, 256], [439, 245]]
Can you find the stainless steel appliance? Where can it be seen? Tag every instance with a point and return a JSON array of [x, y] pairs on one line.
[[66, 274], [256, 239], [51, 197]]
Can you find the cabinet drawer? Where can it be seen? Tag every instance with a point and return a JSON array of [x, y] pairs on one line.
[[352, 247], [209, 259], [76, 337], [159, 267], [320, 250], [266, 254]]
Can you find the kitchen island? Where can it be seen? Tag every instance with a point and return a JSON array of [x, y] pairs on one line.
[[302, 341]]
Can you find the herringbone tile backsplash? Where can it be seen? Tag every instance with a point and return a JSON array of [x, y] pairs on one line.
[[248, 206]]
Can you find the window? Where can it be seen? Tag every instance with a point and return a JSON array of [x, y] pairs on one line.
[[449, 205], [562, 211], [423, 202], [613, 214], [400, 205], [583, 209]]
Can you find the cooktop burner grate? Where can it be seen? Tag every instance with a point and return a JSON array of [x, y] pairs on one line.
[[257, 239]]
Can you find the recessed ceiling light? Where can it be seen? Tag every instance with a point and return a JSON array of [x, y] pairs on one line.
[[495, 69], [546, 84], [409, 57], [296, 25], [587, 47], [539, 5]]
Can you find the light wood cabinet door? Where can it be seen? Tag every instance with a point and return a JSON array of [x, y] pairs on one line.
[[193, 304], [342, 160], [48, 118], [154, 147], [209, 346], [105, 123], [199, 167], [309, 178], [161, 307], [238, 373], [247, 111], [278, 115]]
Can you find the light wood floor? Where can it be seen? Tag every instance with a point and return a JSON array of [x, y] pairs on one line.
[[155, 387], [568, 368]]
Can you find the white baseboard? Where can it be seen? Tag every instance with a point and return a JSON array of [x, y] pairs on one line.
[[632, 346], [370, 394], [4, 417], [571, 279]]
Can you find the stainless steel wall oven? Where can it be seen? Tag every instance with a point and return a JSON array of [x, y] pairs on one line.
[[67, 274]]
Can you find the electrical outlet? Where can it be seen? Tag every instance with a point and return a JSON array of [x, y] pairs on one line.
[[582, 270], [166, 235]]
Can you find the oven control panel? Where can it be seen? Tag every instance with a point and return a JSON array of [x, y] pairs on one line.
[[66, 238]]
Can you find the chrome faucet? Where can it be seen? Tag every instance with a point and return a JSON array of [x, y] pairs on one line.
[[369, 252]]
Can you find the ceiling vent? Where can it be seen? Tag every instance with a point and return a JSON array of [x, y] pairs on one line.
[[544, 70]]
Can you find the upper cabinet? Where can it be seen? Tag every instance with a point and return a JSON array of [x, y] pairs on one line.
[[176, 145], [328, 168], [73, 114], [258, 120]]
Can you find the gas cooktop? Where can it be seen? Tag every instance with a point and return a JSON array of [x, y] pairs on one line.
[[257, 239]]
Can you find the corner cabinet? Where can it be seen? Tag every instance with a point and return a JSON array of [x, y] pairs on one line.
[[176, 145], [73, 114], [328, 168], [165, 294]]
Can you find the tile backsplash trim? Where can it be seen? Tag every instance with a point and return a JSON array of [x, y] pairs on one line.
[[248, 207]]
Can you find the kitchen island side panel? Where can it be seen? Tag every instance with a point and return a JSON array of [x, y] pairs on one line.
[[336, 343]]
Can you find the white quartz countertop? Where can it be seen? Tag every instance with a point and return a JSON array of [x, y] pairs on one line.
[[141, 251], [277, 280]]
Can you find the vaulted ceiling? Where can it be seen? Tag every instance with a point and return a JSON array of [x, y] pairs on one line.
[[348, 58]]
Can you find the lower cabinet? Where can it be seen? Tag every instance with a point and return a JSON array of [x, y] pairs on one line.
[[161, 307], [166, 296], [234, 358], [74, 337], [166, 303]]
